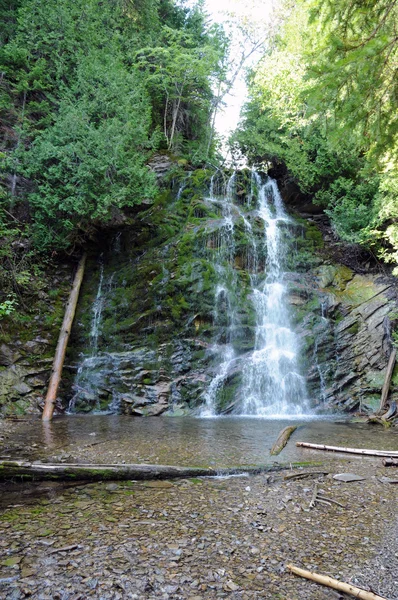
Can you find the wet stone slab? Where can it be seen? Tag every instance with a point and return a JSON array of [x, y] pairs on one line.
[[202, 538]]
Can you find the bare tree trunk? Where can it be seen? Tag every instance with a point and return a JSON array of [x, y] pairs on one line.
[[387, 381], [63, 342], [166, 109], [173, 125], [175, 112]]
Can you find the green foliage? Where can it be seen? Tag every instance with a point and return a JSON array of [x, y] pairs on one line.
[[86, 89], [323, 101], [7, 307]]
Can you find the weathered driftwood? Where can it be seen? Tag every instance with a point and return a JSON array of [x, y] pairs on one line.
[[391, 412], [63, 342], [282, 440], [363, 451], [20, 469], [375, 419], [390, 462], [387, 380], [386, 419], [317, 497], [347, 588], [305, 474]]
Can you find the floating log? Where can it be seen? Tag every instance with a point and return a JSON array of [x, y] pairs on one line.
[[387, 380], [20, 469], [363, 451], [390, 462], [282, 440], [347, 588], [63, 342]]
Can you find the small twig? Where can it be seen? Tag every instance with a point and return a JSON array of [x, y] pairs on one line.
[[330, 500], [65, 548], [314, 494], [322, 501]]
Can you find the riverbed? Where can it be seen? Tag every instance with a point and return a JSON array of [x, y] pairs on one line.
[[194, 539]]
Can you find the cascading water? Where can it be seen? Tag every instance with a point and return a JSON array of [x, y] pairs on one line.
[[225, 309], [271, 382], [254, 349], [86, 381]]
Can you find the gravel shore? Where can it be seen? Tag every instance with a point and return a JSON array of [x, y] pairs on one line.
[[201, 538]]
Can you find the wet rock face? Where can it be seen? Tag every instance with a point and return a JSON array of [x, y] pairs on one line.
[[348, 336], [141, 382], [28, 339], [22, 383], [155, 351]]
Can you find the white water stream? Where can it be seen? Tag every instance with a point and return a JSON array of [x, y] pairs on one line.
[[271, 382]]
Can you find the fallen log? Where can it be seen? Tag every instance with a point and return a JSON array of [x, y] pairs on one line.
[[335, 584], [20, 469], [363, 451], [390, 462], [63, 342], [387, 380], [282, 440]]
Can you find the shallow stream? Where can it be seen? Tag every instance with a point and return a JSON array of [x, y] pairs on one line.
[[186, 441]]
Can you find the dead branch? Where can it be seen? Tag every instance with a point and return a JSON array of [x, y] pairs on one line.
[[329, 500], [306, 474], [65, 549], [363, 451], [335, 584]]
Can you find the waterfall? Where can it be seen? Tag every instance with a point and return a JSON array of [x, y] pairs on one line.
[[225, 309], [86, 382], [251, 359], [271, 383]]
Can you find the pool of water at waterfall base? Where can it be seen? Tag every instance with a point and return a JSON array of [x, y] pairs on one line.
[[186, 441]]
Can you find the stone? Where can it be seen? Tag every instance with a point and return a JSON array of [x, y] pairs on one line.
[[8, 356], [348, 477], [325, 275], [22, 388]]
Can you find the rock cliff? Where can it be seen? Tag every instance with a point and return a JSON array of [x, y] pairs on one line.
[[143, 338]]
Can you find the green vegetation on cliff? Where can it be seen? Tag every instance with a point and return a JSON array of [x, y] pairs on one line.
[[88, 92], [323, 100]]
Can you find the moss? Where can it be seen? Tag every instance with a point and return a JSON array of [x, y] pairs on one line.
[[354, 328]]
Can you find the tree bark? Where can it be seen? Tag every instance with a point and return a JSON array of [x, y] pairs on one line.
[[20, 469], [388, 453], [387, 380], [282, 440], [63, 342], [335, 584]]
